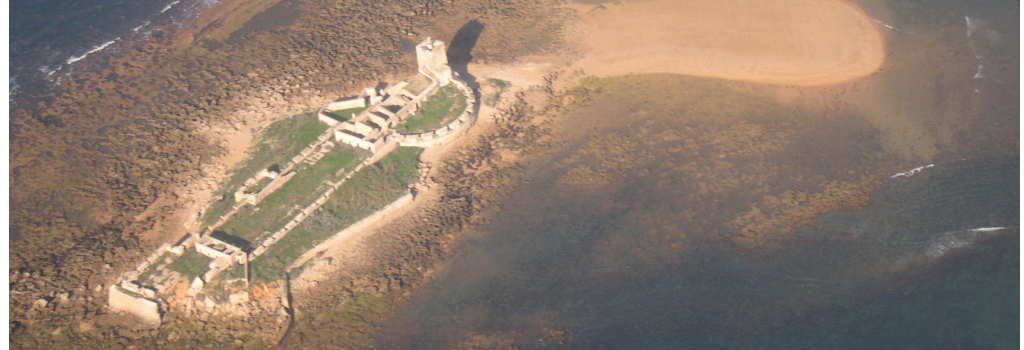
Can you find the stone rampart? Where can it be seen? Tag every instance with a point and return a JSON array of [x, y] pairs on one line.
[[353, 140], [358, 127], [380, 119], [364, 222], [273, 186], [326, 119], [349, 103], [209, 251], [456, 127], [216, 267]]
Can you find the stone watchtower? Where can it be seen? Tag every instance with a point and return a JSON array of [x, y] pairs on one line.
[[432, 59]]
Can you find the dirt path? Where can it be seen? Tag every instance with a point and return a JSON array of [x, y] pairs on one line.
[[793, 42]]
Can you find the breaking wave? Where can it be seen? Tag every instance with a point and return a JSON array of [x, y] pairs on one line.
[[950, 241], [170, 6], [911, 172], [95, 49]]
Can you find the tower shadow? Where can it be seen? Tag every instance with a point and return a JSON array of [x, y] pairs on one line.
[[460, 53]]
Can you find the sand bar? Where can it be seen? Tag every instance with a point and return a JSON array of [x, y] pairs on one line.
[[792, 42]]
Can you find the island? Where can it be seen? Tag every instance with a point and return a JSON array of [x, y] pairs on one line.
[[309, 179]]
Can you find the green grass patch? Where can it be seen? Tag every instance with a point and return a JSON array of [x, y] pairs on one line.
[[278, 143], [441, 108], [280, 206], [345, 114], [218, 208], [191, 264], [367, 191]]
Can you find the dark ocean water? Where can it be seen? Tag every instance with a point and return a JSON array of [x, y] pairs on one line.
[[911, 271], [50, 39]]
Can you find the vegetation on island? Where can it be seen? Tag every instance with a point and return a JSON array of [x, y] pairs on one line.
[[279, 207], [276, 145], [441, 108], [369, 190], [191, 264]]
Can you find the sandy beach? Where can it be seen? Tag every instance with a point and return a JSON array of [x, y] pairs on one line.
[[792, 42]]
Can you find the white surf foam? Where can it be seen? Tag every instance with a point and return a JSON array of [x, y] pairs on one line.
[[91, 51], [972, 27], [170, 6], [950, 241], [49, 71], [988, 229], [886, 25], [912, 172], [136, 29]]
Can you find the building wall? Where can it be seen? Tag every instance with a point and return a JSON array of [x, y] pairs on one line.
[[380, 120], [447, 132], [355, 102], [273, 186], [359, 128], [352, 140], [210, 252]]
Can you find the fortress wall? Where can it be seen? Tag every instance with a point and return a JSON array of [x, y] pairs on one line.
[[216, 267], [399, 86], [326, 119], [225, 244], [355, 102], [379, 120], [178, 250], [273, 186], [196, 285], [245, 198], [267, 173], [386, 112], [359, 128], [121, 301], [150, 260], [353, 141], [209, 251], [456, 127], [210, 275], [185, 240]]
